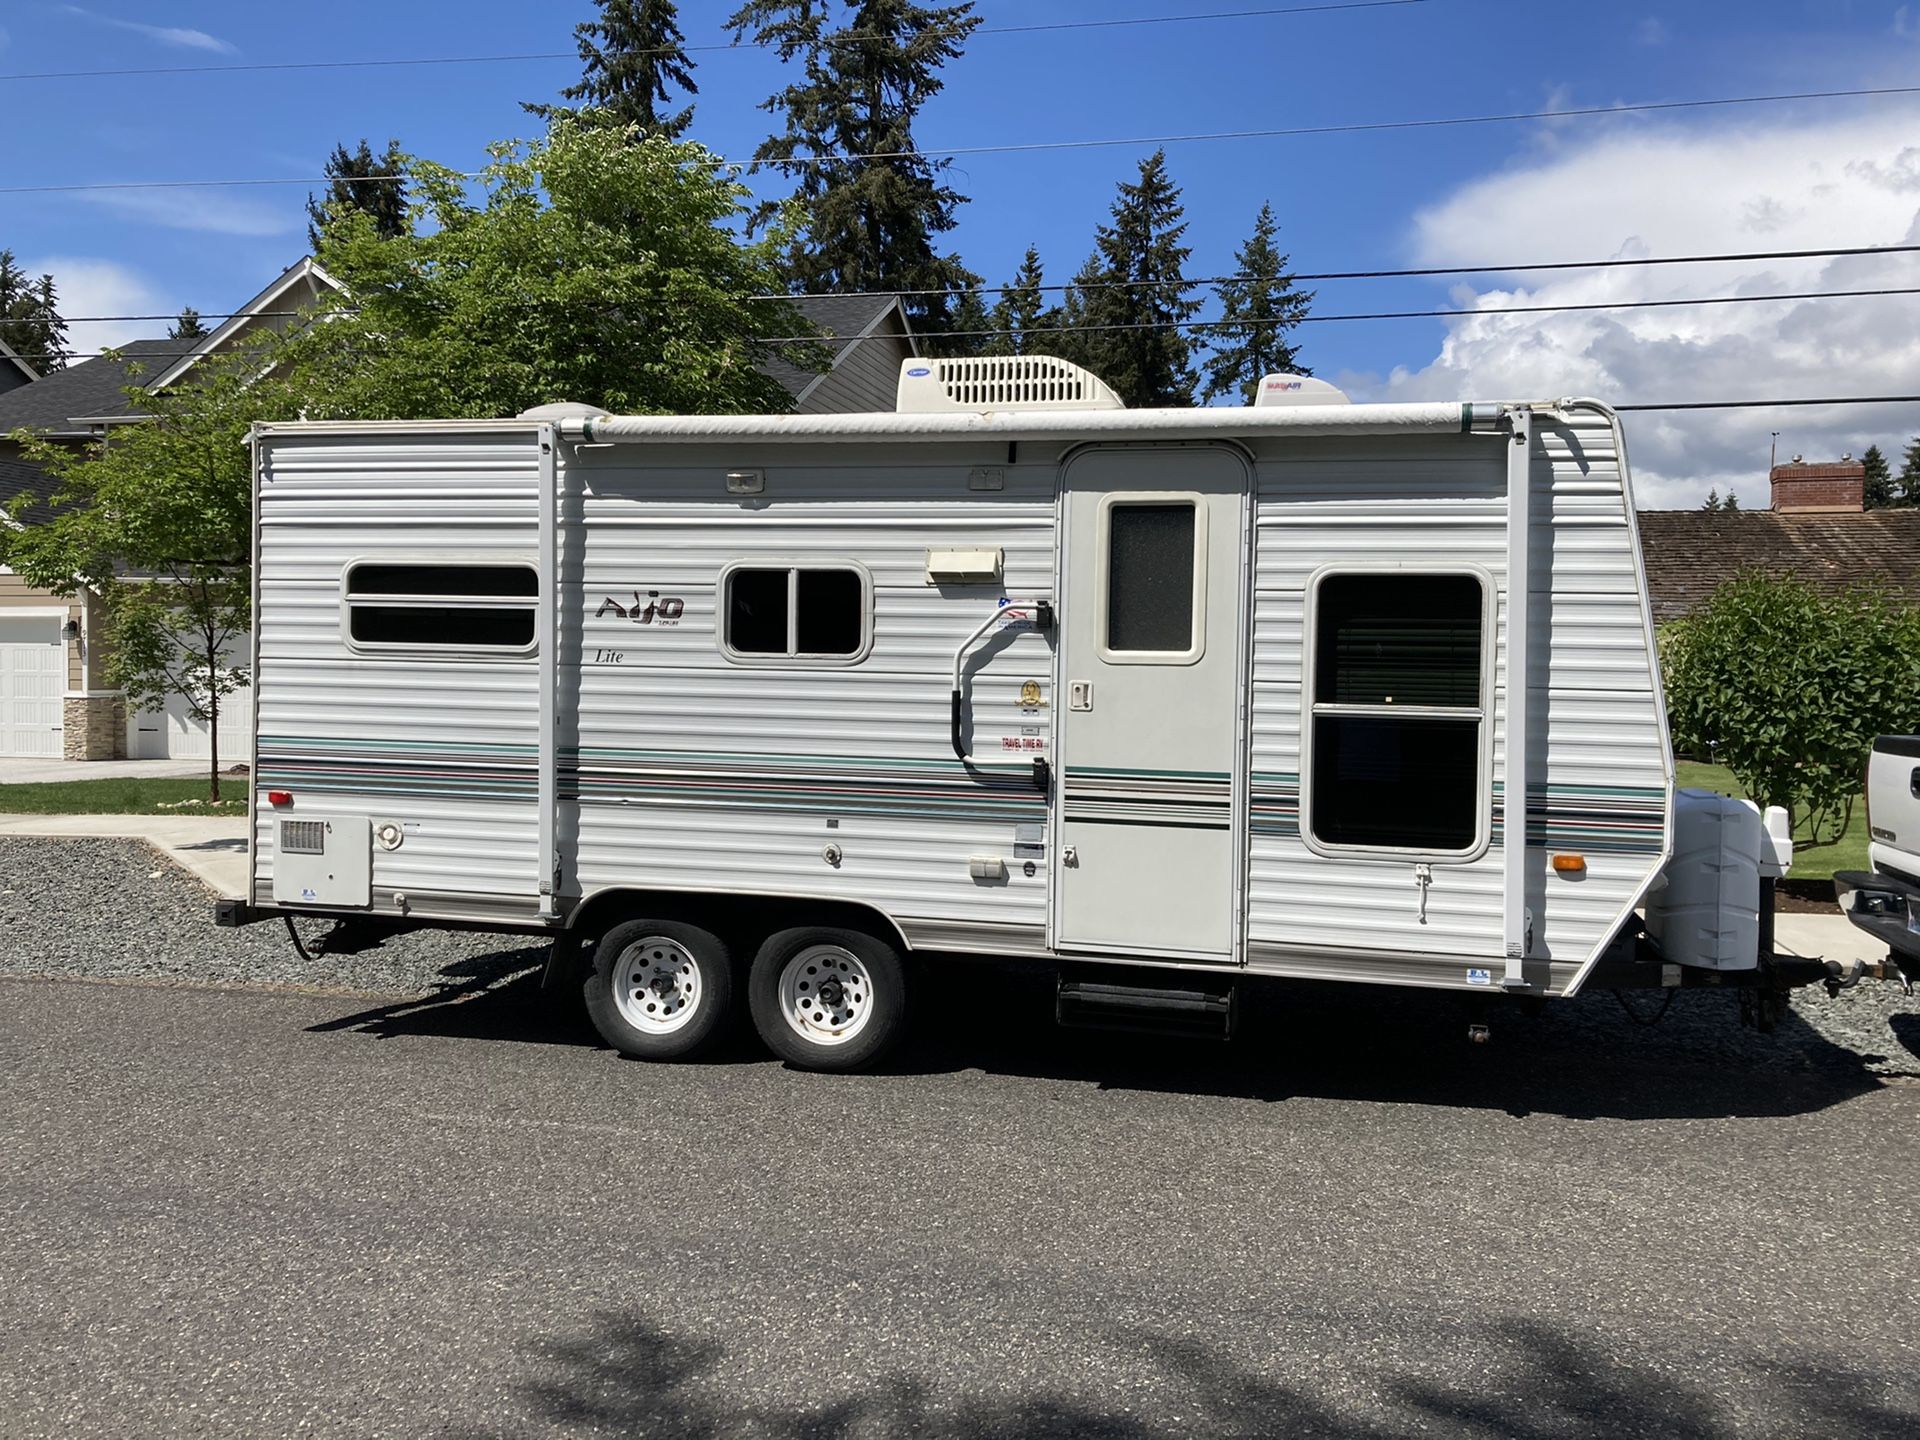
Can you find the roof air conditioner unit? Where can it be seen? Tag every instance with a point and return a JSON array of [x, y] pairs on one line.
[[1297, 390], [1000, 382]]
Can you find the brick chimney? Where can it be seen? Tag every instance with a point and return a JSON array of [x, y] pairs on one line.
[[1829, 487]]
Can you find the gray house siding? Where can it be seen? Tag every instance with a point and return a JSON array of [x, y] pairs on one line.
[[867, 377]]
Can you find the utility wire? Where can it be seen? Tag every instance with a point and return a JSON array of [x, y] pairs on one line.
[[1039, 146], [1243, 324], [1196, 283], [850, 37]]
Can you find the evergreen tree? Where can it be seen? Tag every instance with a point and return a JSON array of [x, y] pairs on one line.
[[1732, 502], [1879, 485], [1021, 313], [30, 322], [631, 55], [1136, 308], [1909, 477], [189, 326], [366, 182], [1064, 328], [864, 224], [1713, 500], [971, 329], [1257, 309]]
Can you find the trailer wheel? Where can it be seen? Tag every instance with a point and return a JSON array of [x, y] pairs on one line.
[[660, 989], [827, 999]]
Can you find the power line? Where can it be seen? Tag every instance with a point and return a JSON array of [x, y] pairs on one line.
[[1198, 282], [847, 38], [1776, 404], [1040, 146], [1237, 324]]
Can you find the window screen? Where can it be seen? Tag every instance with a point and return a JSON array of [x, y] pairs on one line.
[[1150, 558], [1397, 711], [796, 613], [440, 607]]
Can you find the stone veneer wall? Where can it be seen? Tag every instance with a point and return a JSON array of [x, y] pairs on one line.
[[96, 727]]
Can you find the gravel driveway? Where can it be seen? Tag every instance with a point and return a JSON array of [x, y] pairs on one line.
[[114, 910]]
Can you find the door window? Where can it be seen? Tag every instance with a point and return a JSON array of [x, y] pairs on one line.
[[1397, 712], [1152, 557]]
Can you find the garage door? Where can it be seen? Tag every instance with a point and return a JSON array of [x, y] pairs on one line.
[[176, 734], [33, 675]]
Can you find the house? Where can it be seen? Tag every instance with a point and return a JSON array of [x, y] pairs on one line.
[[1817, 529], [54, 699]]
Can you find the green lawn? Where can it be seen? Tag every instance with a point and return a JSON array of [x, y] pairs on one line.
[[124, 797], [1809, 862]]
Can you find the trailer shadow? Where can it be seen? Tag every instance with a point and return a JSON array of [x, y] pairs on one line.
[[627, 1374], [1588, 1058]]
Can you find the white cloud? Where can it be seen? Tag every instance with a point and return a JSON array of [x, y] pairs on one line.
[[215, 212], [1789, 185], [1904, 23], [161, 34], [1650, 31], [89, 286]]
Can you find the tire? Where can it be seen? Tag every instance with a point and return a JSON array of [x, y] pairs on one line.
[[863, 1012], [660, 989]]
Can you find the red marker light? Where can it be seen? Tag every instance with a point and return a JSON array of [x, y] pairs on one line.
[[279, 797]]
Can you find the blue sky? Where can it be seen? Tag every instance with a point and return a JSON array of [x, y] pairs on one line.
[[1801, 175]]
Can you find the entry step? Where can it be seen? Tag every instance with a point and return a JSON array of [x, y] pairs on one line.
[[1104, 1001]]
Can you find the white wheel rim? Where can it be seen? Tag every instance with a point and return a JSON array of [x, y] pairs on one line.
[[656, 985], [826, 994]]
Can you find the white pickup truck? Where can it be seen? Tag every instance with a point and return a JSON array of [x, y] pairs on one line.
[[1885, 901]]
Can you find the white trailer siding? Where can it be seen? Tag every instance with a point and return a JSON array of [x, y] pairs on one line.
[[1598, 784], [698, 773], [447, 746]]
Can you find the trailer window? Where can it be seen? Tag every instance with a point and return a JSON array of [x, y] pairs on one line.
[[794, 612], [442, 607], [1397, 711]]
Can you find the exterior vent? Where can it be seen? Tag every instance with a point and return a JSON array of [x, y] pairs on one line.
[[303, 837], [1277, 390], [1000, 382]]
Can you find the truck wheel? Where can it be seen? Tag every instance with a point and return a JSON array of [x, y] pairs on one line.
[[660, 989], [827, 999]]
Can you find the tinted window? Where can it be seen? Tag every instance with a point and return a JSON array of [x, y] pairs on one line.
[[1150, 577], [431, 606], [1405, 782], [511, 581], [796, 613], [436, 625], [1399, 640], [757, 611], [831, 612]]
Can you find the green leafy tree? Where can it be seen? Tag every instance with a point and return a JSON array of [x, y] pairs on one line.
[[1258, 309], [633, 58], [158, 524], [1141, 298], [870, 222], [1879, 479], [1909, 495], [1787, 688], [359, 180], [1021, 313], [189, 326], [597, 265], [30, 322]]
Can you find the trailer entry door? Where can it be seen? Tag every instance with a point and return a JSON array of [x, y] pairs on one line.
[[1151, 656]]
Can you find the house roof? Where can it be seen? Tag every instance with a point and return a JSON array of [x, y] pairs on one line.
[[304, 271], [843, 322], [17, 478], [93, 389], [12, 357], [1689, 553]]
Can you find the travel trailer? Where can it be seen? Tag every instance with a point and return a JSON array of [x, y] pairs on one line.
[[778, 710]]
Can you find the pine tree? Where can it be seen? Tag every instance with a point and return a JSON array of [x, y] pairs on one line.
[[1879, 479], [1732, 502], [1713, 500], [1021, 311], [356, 180], [1909, 495], [189, 326], [30, 322], [971, 329], [631, 55], [865, 224], [1257, 309], [1141, 299]]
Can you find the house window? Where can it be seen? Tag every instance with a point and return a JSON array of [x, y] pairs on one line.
[[797, 612], [1152, 555], [1397, 709], [456, 606]]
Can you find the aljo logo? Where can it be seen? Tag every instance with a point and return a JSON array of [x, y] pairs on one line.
[[645, 612]]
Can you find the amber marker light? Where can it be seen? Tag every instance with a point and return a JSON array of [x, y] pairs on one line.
[[1570, 864]]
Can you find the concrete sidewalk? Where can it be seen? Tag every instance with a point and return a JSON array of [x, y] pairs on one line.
[[15, 770], [212, 848]]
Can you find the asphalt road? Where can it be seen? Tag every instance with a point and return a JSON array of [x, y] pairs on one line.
[[230, 1212]]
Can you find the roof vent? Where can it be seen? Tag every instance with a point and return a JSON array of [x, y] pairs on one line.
[[565, 410], [1297, 390], [1000, 382]]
